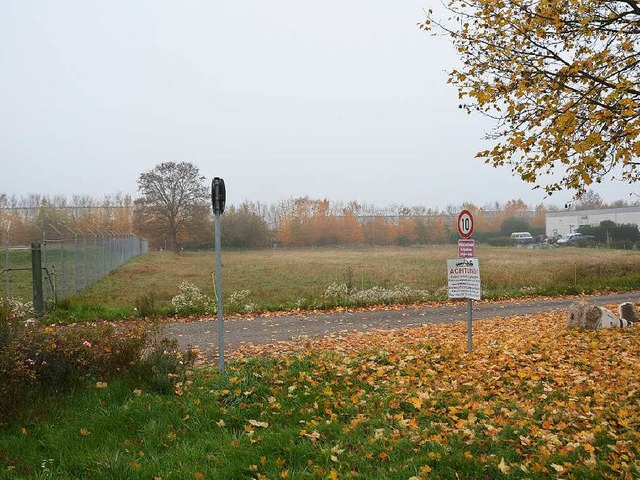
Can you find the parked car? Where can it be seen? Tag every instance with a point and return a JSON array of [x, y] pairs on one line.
[[582, 240], [569, 237], [522, 238]]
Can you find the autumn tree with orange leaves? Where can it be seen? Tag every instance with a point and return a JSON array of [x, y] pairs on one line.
[[560, 77]]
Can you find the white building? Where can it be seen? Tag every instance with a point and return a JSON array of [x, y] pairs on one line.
[[561, 223]]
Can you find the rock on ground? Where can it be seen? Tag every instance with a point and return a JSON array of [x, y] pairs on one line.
[[628, 312], [585, 315]]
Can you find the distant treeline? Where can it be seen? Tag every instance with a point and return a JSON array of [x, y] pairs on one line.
[[616, 235], [299, 222]]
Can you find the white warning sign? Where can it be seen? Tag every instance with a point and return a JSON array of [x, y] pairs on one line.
[[463, 275]]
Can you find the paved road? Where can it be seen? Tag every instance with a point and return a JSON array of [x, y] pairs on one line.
[[262, 330]]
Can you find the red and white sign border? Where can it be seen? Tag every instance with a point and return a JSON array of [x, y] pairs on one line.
[[461, 216]]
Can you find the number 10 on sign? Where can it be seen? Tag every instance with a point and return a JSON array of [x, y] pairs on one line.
[[465, 224]]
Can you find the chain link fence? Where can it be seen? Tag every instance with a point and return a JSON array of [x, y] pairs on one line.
[[16, 271], [72, 260]]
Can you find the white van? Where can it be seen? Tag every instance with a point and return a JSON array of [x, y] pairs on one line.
[[522, 237]]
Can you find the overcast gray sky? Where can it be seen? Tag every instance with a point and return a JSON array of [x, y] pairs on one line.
[[346, 100]]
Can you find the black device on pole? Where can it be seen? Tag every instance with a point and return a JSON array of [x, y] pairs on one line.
[[218, 195]]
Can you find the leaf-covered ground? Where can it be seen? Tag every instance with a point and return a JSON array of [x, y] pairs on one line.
[[533, 400]]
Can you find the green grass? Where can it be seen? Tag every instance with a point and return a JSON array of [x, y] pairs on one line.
[[287, 279], [389, 405]]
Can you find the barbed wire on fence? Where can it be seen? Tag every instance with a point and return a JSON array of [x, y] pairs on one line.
[[73, 259]]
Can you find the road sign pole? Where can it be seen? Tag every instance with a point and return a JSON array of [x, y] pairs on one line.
[[469, 324], [219, 291]]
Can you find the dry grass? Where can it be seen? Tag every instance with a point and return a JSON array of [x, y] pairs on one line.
[[284, 279]]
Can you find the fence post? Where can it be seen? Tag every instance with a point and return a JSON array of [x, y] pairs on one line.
[[6, 261], [36, 269]]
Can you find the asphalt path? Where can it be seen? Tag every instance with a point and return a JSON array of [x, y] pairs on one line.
[[203, 333]]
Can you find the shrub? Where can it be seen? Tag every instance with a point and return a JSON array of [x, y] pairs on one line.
[[239, 301], [48, 358], [145, 304], [191, 300], [396, 294], [501, 241], [44, 359], [339, 293], [14, 314], [164, 366], [403, 240]]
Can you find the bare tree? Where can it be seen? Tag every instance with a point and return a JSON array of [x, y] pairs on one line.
[[173, 194], [589, 200]]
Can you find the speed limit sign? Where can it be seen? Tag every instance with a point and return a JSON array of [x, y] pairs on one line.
[[465, 224]]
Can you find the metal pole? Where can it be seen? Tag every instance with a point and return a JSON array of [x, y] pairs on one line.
[[469, 323], [64, 289], [219, 291], [6, 261], [36, 269], [76, 288], [85, 266], [95, 257]]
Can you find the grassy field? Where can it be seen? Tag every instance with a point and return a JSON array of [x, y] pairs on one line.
[[534, 400], [289, 279]]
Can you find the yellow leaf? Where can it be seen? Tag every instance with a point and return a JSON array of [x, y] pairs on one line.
[[333, 475], [24, 431], [198, 475], [284, 474], [101, 384], [504, 468], [425, 470], [84, 432], [557, 468], [416, 402], [255, 423]]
